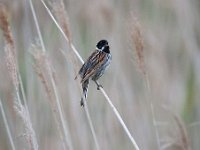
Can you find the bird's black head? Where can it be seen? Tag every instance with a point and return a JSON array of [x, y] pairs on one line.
[[101, 44]]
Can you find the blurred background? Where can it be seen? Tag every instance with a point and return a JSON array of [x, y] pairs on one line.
[[165, 115]]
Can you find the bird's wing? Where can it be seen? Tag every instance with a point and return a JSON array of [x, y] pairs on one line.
[[83, 68], [95, 60]]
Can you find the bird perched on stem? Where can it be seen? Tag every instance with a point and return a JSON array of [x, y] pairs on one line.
[[94, 67]]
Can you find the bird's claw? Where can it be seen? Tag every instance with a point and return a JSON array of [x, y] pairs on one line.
[[99, 86], [82, 102]]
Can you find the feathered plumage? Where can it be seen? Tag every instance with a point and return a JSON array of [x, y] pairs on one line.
[[94, 67]]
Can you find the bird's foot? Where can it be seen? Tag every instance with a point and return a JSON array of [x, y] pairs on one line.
[[99, 86], [82, 102]]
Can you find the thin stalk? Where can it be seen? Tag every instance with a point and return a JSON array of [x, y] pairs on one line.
[[63, 122], [80, 58], [147, 86], [23, 93], [11, 62], [120, 119], [34, 140], [7, 127], [89, 119], [101, 89], [66, 133], [63, 33], [37, 25], [91, 125]]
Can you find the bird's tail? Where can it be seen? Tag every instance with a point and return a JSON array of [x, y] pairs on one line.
[[85, 86]]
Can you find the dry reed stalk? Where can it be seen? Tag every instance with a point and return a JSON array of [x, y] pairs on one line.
[[101, 89], [137, 41], [11, 65], [63, 33], [184, 140], [62, 17], [13, 72], [9, 48], [64, 123], [29, 132], [85, 107], [7, 126], [40, 69], [69, 58], [62, 120], [5, 25]]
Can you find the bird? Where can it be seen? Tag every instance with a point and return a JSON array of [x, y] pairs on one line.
[[94, 67]]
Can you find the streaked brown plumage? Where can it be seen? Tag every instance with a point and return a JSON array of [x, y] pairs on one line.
[[94, 67]]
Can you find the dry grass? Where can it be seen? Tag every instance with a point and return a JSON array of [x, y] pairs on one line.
[[138, 43], [104, 94], [9, 46], [180, 138], [7, 126], [10, 57], [62, 17], [137, 40], [165, 39], [5, 25], [40, 67], [29, 133], [184, 139]]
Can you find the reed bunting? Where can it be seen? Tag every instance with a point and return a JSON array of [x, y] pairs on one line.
[[94, 67]]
